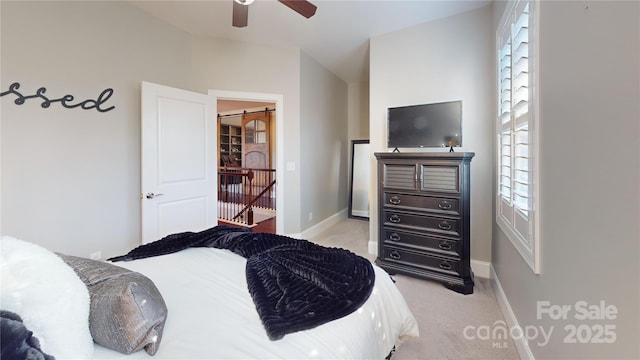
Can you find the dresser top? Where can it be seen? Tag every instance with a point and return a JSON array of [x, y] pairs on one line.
[[422, 155]]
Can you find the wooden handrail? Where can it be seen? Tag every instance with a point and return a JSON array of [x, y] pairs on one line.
[[250, 204]]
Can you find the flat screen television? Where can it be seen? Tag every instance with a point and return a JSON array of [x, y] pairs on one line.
[[425, 125]]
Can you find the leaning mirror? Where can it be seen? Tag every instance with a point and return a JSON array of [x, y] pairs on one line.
[[359, 196]]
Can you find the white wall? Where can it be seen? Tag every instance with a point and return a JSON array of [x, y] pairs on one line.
[[71, 177], [589, 178], [449, 59]]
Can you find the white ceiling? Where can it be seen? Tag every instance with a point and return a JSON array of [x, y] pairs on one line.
[[234, 106], [337, 36]]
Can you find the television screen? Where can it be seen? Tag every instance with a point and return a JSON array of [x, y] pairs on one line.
[[426, 125]]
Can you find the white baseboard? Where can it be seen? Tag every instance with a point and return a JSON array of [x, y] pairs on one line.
[[322, 226], [361, 213], [372, 247], [481, 268], [522, 346]]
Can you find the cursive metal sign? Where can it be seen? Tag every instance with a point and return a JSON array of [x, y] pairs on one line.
[[66, 101]]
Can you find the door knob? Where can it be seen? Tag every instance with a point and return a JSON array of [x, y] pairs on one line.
[[152, 195]]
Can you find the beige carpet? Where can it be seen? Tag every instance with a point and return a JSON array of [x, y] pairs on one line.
[[442, 314]]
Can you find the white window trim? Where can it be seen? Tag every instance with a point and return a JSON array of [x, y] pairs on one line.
[[530, 253]]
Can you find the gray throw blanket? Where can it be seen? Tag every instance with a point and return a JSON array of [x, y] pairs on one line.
[[295, 284]]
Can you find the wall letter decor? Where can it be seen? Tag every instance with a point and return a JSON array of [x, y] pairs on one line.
[[65, 100]]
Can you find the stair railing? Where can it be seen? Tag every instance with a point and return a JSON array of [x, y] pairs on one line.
[[235, 193]]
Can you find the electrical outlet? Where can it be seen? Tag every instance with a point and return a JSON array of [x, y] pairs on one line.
[[310, 216], [96, 255]]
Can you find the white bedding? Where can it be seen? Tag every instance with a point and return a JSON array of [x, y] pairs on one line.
[[212, 316]]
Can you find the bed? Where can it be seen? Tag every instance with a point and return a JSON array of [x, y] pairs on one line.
[[210, 314]]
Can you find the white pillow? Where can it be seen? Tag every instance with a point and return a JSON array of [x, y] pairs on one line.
[[51, 299]]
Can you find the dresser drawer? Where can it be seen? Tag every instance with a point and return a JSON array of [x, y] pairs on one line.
[[421, 242], [449, 206], [445, 226], [421, 260]]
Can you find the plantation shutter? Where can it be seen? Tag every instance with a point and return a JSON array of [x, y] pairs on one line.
[[504, 126], [515, 171], [520, 113]]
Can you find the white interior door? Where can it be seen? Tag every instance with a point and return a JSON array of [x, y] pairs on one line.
[[178, 175]]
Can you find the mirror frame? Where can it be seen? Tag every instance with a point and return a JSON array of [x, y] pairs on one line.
[[354, 144]]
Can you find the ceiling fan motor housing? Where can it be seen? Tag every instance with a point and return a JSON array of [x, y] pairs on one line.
[[241, 10]]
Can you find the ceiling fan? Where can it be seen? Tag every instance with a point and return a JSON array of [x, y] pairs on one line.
[[241, 10]]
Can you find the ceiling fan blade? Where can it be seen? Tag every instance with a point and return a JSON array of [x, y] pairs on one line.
[[302, 7], [240, 14]]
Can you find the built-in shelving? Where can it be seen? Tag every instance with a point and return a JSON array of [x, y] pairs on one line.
[[230, 143]]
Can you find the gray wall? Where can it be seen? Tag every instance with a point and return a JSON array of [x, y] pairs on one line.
[[230, 65], [71, 177], [358, 111], [589, 177], [448, 59], [323, 143]]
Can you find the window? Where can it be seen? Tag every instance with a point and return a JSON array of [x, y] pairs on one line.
[[255, 132], [516, 130]]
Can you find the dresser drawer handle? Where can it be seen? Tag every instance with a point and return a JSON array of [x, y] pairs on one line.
[[394, 219], [444, 205], [394, 255], [443, 225], [444, 245], [445, 265], [394, 200], [394, 237]]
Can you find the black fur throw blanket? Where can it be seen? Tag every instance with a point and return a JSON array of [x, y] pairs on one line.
[[295, 284], [16, 341]]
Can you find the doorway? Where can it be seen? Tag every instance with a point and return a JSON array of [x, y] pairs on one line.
[[229, 102]]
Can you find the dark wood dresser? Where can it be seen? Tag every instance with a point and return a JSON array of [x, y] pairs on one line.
[[424, 216]]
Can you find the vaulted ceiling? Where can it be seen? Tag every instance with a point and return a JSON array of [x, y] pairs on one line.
[[337, 36]]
